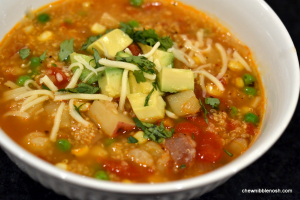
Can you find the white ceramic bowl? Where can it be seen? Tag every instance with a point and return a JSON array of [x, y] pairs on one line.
[[254, 23]]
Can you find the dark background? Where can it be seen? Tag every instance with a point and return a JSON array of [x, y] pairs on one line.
[[279, 168]]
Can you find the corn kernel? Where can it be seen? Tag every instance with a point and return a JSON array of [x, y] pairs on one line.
[[98, 151], [46, 35], [196, 59], [62, 165], [235, 66], [239, 82], [28, 29], [140, 137], [98, 28], [246, 109], [80, 151], [213, 90], [84, 106]]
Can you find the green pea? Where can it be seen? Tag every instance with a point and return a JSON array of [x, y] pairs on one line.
[[233, 111], [34, 62], [43, 18], [102, 175], [248, 79], [136, 3], [251, 118], [63, 145], [22, 79], [134, 23], [250, 91]]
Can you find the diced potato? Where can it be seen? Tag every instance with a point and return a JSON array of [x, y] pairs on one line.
[[46, 35], [183, 103], [80, 151], [62, 165], [98, 28], [140, 137], [213, 90], [111, 121], [239, 82], [235, 66], [151, 113], [28, 29], [109, 21]]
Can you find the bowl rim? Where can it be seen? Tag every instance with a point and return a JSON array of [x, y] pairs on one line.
[[174, 186]]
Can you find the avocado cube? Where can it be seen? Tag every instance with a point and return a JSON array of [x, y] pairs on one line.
[[113, 41], [166, 59], [183, 103], [151, 113], [85, 71], [175, 80], [110, 82]]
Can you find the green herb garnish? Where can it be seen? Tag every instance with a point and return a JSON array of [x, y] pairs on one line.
[[54, 65], [24, 53], [139, 76], [131, 140], [142, 62], [154, 132], [45, 87], [82, 88], [205, 111], [233, 111], [182, 166], [97, 57], [78, 108], [193, 136], [89, 41], [134, 23], [213, 102], [43, 56], [66, 48], [149, 95], [228, 153]]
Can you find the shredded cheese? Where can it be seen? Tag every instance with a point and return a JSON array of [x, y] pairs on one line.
[[57, 119], [150, 53], [105, 50], [29, 99], [171, 115], [118, 64], [11, 94], [60, 97], [149, 76], [25, 115], [239, 58], [202, 67], [212, 78], [34, 92], [200, 57], [202, 84], [224, 60], [92, 73], [11, 85], [157, 65], [127, 50], [75, 114], [200, 36], [33, 103], [28, 82], [85, 63], [123, 90], [48, 83]]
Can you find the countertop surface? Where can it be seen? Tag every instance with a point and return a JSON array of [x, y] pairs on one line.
[[277, 169]]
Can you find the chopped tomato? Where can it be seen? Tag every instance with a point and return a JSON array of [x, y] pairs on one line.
[[223, 81], [250, 129], [135, 50], [209, 147], [200, 121], [60, 76], [188, 128], [125, 169]]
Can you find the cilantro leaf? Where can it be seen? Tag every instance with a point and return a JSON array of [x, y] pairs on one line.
[[154, 132], [165, 43], [97, 57], [66, 48], [134, 23], [139, 76], [214, 102], [82, 88], [54, 65], [148, 98], [205, 111], [24, 53], [43, 56], [228, 153], [131, 140], [127, 28], [78, 108], [182, 166], [45, 87], [142, 62], [89, 41]]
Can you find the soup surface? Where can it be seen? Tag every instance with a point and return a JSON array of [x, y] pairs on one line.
[[128, 91]]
